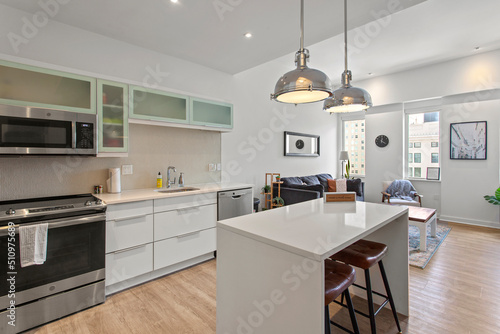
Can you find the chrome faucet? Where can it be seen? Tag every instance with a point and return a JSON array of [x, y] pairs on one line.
[[169, 183]]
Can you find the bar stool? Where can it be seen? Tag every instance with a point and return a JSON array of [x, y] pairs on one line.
[[338, 278], [365, 254]]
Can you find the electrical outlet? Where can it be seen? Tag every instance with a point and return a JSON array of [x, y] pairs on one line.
[[218, 166], [211, 167], [127, 169]]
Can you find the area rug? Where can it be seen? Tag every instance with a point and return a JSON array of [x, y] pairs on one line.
[[420, 258]]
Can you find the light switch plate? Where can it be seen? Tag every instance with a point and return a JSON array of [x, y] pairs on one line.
[[218, 166], [211, 167], [127, 169]]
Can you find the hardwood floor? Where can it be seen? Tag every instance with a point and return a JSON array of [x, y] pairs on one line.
[[458, 292]]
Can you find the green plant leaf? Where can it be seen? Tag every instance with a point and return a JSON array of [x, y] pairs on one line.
[[497, 193], [492, 199]]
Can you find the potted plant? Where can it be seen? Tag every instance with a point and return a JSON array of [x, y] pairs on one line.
[[347, 169], [266, 189], [495, 200], [278, 201], [278, 178]]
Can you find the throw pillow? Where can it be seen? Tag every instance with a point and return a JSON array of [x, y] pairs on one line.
[[323, 180], [341, 185], [332, 185], [288, 181], [310, 180], [355, 185]]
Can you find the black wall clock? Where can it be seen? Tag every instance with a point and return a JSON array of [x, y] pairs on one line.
[[299, 144], [382, 141]]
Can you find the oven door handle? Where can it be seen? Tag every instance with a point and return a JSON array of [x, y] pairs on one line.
[[56, 223]]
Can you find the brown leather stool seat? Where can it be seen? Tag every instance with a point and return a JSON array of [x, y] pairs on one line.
[[362, 254], [338, 278], [365, 254]]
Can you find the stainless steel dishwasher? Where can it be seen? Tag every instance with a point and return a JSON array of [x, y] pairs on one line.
[[234, 203]]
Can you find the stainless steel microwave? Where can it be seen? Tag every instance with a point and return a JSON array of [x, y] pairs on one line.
[[38, 131]]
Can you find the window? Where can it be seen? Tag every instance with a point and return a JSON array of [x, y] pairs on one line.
[[355, 147], [422, 131]]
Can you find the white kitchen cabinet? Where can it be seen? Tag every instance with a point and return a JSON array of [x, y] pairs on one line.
[[129, 240], [129, 263], [210, 113], [184, 221], [182, 202], [184, 247]]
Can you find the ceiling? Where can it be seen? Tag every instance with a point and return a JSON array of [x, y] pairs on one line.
[[211, 32]]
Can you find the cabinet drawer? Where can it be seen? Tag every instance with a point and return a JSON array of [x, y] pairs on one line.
[[129, 210], [129, 263], [181, 221], [126, 233], [180, 202], [174, 250]]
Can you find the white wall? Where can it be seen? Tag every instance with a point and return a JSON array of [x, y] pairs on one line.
[[255, 146], [469, 91]]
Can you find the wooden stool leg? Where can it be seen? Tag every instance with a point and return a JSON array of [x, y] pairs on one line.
[[389, 295], [369, 296], [327, 320], [354, 322]]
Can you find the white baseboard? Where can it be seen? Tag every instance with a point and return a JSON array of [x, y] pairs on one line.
[[476, 222]]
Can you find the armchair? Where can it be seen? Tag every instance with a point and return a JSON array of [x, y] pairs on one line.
[[400, 192]]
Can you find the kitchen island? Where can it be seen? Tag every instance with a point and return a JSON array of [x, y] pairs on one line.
[[270, 265]]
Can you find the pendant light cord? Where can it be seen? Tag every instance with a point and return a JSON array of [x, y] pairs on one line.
[[345, 33], [301, 25]]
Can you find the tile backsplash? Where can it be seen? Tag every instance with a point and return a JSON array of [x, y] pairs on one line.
[[151, 150]]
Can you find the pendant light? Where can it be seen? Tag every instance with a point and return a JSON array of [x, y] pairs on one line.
[[304, 84], [347, 98]]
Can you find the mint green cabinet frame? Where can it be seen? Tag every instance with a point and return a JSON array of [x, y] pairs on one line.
[[211, 113], [112, 108], [30, 86], [157, 105]]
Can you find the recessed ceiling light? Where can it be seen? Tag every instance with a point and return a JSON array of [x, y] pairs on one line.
[[248, 35], [174, 1]]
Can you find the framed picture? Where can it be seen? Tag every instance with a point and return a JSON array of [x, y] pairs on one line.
[[301, 144], [468, 141], [433, 173]]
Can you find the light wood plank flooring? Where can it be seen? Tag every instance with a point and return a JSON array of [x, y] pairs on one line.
[[458, 292]]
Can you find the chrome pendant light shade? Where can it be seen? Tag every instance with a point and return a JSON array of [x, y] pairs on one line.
[[347, 98], [303, 84]]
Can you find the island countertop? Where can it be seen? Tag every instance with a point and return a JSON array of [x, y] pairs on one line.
[[314, 229]]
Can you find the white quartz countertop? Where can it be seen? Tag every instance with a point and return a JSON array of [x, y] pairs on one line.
[[314, 229], [153, 193]]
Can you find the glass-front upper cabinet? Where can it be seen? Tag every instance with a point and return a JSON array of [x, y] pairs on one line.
[[112, 107], [211, 113], [157, 105], [30, 86]]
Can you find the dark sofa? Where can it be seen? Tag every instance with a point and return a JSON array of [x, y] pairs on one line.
[[296, 189]]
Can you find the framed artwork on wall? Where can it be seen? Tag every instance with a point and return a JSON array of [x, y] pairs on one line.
[[301, 144], [468, 141]]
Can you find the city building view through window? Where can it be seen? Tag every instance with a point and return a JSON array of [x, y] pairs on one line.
[[423, 143], [354, 144]]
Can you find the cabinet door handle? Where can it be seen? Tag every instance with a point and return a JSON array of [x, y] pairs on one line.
[[187, 234], [195, 208], [127, 218], [129, 249]]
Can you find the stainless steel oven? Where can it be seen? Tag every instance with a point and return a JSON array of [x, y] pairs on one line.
[[72, 276], [38, 131]]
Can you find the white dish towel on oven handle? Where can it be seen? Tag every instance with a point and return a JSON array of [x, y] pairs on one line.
[[33, 244]]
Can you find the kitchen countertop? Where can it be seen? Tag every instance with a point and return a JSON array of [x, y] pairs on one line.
[[151, 193]]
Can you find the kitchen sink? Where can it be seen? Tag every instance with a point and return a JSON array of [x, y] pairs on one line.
[[177, 190]]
